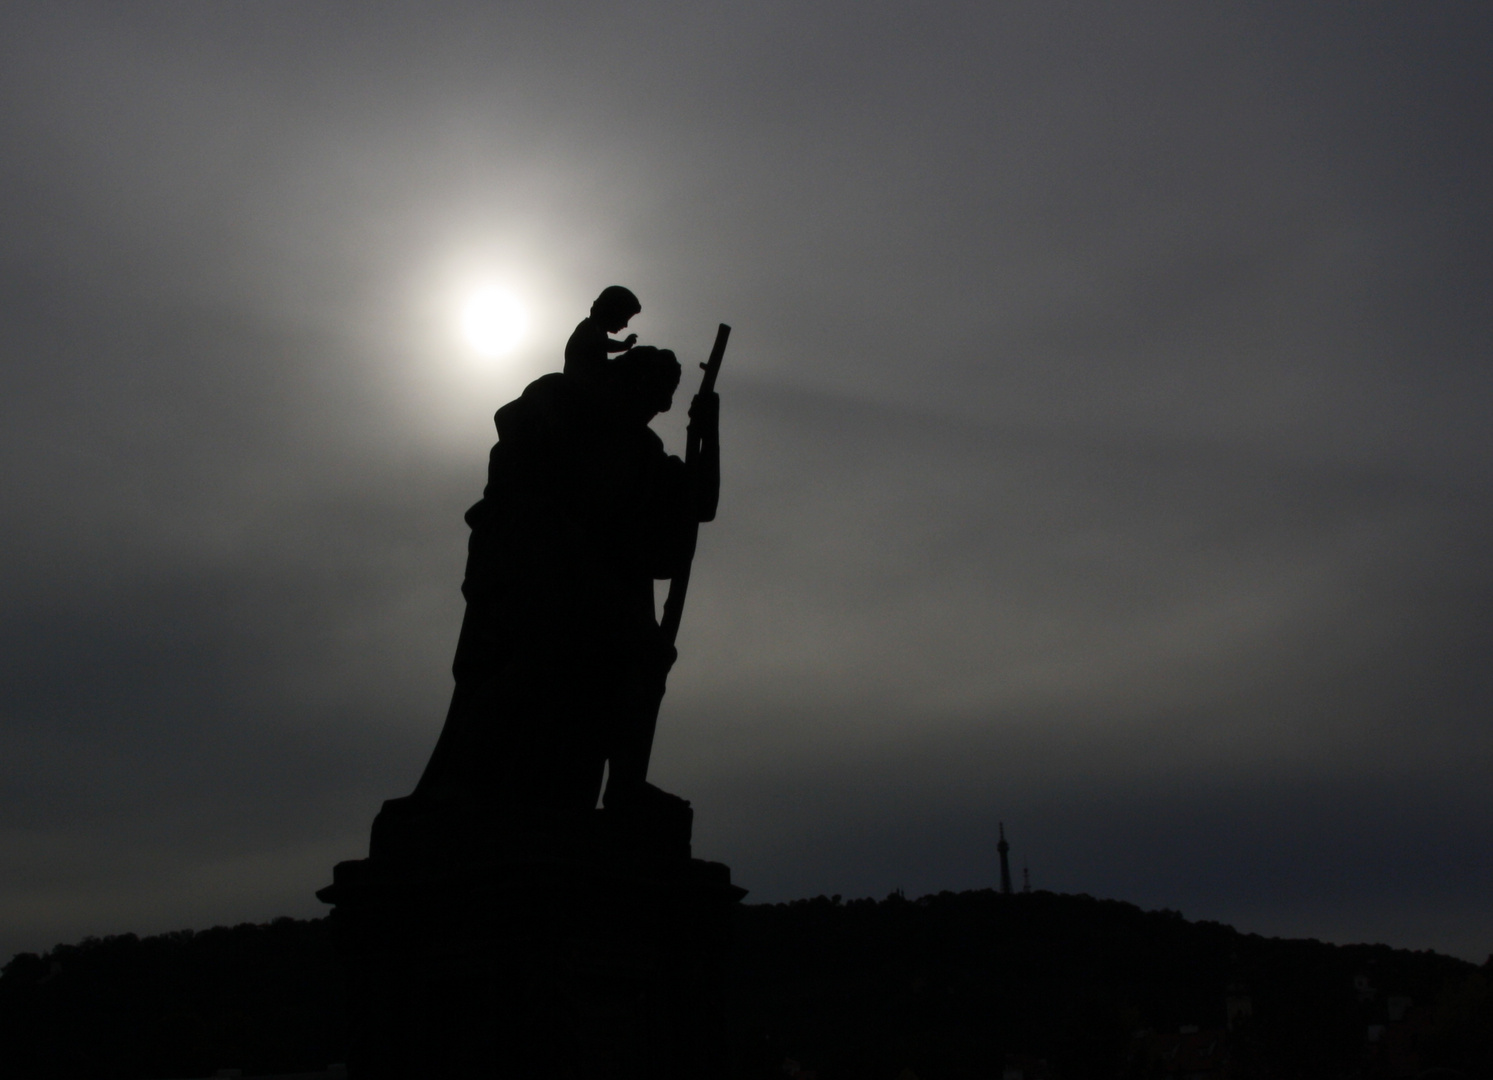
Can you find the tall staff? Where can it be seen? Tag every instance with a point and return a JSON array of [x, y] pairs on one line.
[[679, 584]]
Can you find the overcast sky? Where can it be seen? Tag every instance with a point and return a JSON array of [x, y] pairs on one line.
[[1106, 430]]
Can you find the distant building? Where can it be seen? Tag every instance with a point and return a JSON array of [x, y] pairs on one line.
[[1004, 849], [1193, 1053], [1238, 1006], [1026, 1067]]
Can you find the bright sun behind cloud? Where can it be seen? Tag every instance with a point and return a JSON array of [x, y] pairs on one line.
[[492, 321]]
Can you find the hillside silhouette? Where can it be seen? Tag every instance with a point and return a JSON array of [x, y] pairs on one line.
[[972, 984]]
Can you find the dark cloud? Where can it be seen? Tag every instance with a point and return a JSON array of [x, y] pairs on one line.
[[1106, 434]]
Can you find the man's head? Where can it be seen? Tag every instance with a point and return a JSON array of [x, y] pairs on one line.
[[643, 381], [614, 308]]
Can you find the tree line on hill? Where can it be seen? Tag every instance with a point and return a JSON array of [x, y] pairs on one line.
[[974, 984]]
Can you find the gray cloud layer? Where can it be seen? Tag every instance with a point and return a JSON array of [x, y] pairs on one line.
[[1106, 426]]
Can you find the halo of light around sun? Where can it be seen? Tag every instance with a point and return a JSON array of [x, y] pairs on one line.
[[492, 321]]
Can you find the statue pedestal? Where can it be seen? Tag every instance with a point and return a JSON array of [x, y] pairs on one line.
[[592, 947]]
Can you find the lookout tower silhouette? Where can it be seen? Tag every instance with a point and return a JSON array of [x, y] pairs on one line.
[[1005, 852]]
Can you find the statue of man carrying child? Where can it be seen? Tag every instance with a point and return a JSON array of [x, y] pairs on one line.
[[560, 664]]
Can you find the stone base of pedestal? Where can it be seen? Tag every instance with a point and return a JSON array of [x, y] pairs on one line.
[[589, 948]]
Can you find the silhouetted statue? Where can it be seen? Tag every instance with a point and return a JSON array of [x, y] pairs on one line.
[[502, 925], [560, 660]]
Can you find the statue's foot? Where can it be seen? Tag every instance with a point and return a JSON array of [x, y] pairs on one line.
[[642, 798], [651, 815]]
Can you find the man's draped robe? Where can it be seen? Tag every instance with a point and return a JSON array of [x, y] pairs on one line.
[[559, 648]]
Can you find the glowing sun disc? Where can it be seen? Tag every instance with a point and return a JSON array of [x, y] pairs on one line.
[[492, 321]]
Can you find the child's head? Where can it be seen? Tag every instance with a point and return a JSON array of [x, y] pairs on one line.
[[614, 307]]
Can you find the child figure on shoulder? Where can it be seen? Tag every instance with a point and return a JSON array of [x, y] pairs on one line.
[[587, 351]]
